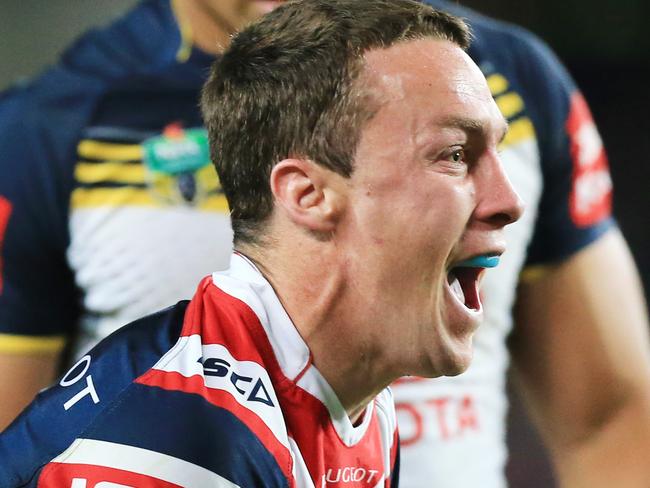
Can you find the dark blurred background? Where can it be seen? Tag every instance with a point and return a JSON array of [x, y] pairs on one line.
[[605, 44]]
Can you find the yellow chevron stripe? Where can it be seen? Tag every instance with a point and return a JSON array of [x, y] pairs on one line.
[[135, 197], [208, 177], [519, 130], [16, 344], [510, 104], [497, 83], [89, 149], [112, 197], [215, 203], [110, 171]]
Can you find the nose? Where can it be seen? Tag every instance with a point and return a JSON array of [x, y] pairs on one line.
[[498, 203]]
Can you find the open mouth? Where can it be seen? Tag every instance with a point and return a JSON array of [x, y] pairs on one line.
[[464, 279], [464, 284]]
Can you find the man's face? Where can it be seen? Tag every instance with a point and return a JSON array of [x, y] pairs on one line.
[[427, 192]]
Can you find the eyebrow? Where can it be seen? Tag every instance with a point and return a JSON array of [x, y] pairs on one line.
[[471, 125]]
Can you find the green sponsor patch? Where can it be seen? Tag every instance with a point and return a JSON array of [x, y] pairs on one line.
[[183, 153]]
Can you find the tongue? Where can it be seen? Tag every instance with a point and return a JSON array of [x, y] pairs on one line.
[[467, 282]]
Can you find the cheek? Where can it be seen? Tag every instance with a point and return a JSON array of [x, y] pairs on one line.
[[457, 202], [443, 210], [417, 212]]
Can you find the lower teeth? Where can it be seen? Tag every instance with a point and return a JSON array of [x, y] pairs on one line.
[[457, 289]]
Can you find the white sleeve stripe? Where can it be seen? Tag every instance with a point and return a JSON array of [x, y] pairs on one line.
[[141, 461]]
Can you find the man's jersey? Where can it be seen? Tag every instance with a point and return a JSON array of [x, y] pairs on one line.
[[220, 392], [109, 206], [453, 429]]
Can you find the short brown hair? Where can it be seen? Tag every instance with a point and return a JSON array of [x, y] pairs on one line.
[[286, 88]]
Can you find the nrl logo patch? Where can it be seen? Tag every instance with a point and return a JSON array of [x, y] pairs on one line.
[[178, 167]]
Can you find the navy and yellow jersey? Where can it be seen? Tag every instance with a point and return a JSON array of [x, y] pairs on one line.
[[217, 392], [109, 206], [453, 429]]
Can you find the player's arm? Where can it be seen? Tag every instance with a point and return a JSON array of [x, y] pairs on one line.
[[38, 299], [27, 365], [581, 354], [580, 346]]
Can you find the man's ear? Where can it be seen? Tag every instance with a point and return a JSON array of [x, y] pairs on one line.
[[309, 194]]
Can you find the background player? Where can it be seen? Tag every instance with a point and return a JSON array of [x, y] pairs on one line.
[[466, 415], [279, 375]]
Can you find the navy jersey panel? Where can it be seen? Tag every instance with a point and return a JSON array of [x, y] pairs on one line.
[[90, 389], [188, 427], [547, 90], [102, 77]]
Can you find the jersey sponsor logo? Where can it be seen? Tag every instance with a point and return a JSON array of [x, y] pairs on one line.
[[74, 376], [251, 388], [590, 200], [448, 417], [5, 212], [350, 475]]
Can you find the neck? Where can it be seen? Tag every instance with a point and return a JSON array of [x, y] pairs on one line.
[[209, 27], [314, 289]]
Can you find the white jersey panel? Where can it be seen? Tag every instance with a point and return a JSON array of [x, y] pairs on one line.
[[127, 261]]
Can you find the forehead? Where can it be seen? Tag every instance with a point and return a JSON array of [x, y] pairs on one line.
[[433, 77]]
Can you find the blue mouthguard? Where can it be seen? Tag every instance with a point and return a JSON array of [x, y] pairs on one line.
[[485, 261]]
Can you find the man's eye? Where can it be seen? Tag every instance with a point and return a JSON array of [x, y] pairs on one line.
[[457, 155]]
